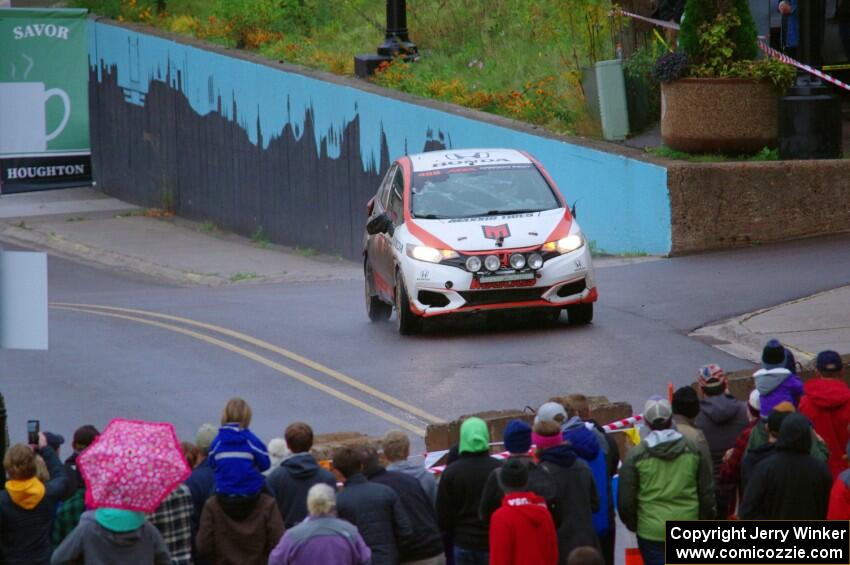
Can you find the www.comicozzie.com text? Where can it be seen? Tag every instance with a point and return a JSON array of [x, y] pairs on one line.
[[756, 533]]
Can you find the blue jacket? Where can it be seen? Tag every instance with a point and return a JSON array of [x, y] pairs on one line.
[[790, 31], [585, 443], [238, 459]]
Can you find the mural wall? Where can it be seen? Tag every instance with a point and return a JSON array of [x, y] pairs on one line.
[[249, 145]]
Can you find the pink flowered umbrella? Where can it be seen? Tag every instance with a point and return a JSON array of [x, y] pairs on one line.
[[132, 465]]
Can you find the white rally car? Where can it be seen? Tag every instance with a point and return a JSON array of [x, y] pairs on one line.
[[473, 230]]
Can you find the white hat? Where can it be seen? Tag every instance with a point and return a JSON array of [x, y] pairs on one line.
[[657, 409], [551, 412], [755, 400]]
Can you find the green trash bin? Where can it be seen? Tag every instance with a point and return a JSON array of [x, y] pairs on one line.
[[605, 92]]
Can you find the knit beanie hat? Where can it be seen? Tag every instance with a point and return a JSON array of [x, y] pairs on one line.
[[116, 520], [514, 475], [773, 355], [517, 437], [686, 402]]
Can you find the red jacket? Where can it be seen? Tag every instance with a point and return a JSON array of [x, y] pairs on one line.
[[839, 498], [826, 402], [522, 532]]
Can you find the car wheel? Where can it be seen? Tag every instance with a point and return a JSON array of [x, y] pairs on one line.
[[376, 309], [580, 314], [406, 321]]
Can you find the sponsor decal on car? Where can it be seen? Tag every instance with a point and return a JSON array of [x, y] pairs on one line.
[[500, 232]]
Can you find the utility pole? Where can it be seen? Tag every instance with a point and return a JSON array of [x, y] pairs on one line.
[[396, 43]]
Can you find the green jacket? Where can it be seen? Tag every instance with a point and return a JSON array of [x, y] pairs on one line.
[[664, 478], [758, 437]]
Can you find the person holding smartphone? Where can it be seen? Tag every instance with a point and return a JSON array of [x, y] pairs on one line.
[[27, 505]]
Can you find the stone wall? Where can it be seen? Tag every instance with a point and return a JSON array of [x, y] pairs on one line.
[[722, 205]]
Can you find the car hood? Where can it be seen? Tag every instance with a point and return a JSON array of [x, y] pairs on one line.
[[523, 230]]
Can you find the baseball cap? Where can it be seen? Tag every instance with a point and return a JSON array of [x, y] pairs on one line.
[[829, 362], [711, 377], [657, 410], [54, 440], [551, 412]]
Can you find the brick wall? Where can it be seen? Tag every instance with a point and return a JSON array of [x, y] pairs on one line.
[[722, 205]]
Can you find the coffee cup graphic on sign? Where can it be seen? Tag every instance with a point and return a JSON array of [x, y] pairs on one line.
[[23, 116]]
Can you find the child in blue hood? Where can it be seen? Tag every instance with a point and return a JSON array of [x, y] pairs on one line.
[[775, 382], [237, 456]]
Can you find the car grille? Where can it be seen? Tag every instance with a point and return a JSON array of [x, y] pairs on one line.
[[572, 288], [485, 297]]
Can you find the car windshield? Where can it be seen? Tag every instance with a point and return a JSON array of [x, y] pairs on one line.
[[480, 191]]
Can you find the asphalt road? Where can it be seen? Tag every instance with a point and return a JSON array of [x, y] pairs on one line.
[[104, 363]]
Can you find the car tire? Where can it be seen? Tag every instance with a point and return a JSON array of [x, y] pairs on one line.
[[376, 309], [407, 322], [580, 314]]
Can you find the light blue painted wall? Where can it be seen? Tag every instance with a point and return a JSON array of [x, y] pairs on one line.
[[623, 203]]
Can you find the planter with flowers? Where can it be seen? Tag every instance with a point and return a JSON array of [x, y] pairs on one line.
[[716, 97]]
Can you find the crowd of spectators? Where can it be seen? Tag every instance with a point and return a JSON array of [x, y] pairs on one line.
[[554, 498]]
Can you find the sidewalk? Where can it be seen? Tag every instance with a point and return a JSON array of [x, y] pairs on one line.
[[85, 225], [806, 326]]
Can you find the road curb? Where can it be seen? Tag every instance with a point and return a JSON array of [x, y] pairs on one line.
[[73, 250]]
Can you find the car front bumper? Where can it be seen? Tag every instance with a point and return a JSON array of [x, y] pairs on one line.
[[437, 289]]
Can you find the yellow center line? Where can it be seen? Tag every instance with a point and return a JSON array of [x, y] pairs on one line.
[[263, 361], [354, 383]]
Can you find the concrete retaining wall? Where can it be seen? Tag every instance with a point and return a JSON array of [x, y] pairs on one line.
[[224, 135], [722, 205]]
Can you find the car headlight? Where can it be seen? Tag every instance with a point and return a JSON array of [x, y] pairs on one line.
[[473, 264], [565, 245], [517, 261], [535, 261], [492, 263], [429, 254]]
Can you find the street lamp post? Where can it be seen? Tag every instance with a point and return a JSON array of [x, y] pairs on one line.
[[396, 43], [809, 113]]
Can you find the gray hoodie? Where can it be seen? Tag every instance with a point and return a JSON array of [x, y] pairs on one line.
[[415, 467], [92, 544]]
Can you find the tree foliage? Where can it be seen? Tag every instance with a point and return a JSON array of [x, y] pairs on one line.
[[731, 18]]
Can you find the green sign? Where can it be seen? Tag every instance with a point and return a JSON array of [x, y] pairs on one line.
[[44, 116]]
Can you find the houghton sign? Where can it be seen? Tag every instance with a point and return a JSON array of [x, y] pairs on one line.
[[44, 119]]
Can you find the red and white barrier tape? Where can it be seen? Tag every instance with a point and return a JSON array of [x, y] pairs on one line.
[[773, 53], [659, 23], [768, 50], [621, 424], [609, 427]]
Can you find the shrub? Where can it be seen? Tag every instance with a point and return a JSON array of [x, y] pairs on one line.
[[732, 18], [670, 67]]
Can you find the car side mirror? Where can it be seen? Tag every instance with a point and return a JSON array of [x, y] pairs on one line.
[[379, 224]]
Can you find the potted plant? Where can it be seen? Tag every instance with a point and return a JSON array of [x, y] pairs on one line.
[[716, 97]]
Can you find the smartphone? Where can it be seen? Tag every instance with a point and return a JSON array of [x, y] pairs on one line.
[[33, 429]]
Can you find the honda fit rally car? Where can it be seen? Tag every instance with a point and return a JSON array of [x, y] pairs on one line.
[[470, 231]]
